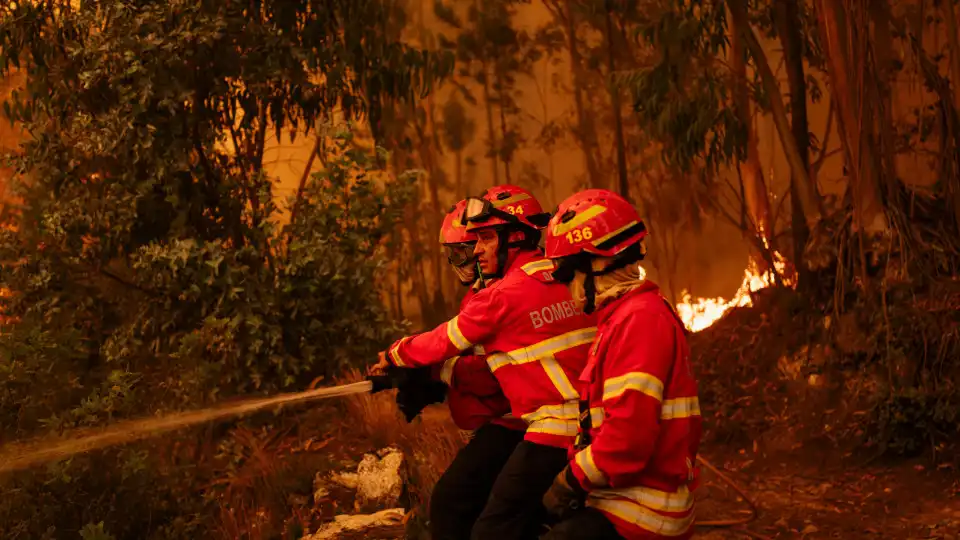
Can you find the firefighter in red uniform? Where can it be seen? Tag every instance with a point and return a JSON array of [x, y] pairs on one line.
[[476, 404], [536, 344], [631, 472]]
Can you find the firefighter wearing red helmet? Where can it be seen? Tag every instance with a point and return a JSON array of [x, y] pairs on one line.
[[475, 397], [536, 344], [631, 472], [476, 404]]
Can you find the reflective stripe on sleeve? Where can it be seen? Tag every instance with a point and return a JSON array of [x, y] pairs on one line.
[[680, 408], [456, 336], [637, 380], [584, 459]]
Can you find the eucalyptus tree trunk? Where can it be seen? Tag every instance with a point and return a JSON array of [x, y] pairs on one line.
[[754, 186], [809, 196], [787, 13], [842, 39]]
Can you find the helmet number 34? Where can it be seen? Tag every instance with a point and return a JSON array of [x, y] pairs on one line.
[[514, 210], [579, 235]]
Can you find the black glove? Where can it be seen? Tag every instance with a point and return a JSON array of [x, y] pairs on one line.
[[415, 389], [565, 495]]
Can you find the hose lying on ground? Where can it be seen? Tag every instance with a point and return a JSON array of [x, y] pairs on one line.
[[740, 491]]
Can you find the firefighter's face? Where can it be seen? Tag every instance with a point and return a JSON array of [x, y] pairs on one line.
[[488, 243]]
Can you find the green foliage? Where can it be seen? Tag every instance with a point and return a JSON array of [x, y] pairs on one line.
[[682, 97], [491, 50], [149, 266], [909, 342]]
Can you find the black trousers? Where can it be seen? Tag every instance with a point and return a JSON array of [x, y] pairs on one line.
[[586, 524], [515, 508], [462, 491]]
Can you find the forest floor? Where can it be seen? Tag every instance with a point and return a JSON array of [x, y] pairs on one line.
[[798, 498]]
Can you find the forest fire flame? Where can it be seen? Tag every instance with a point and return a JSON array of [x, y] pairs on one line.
[[700, 313]]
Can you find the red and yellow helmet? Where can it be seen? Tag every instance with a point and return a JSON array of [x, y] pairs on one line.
[[597, 222], [504, 205], [453, 230]]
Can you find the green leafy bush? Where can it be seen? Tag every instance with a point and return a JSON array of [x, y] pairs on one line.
[[149, 265]]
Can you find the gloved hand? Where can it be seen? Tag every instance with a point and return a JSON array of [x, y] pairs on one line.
[[417, 390], [565, 494]]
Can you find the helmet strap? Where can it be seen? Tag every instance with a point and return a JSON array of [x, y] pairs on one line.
[[590, 293], [481, 282], [529, 242]]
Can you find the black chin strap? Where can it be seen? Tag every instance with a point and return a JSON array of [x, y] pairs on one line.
[[480, 277], [504, 245], [590, 292]]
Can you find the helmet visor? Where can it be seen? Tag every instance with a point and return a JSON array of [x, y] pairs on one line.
[[477, 210], [460, 254], [480, 210]]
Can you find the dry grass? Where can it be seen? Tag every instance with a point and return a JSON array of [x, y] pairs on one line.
[[430, 442], [252, 494]]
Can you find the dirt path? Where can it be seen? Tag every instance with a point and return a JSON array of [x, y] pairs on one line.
[[906, 501]]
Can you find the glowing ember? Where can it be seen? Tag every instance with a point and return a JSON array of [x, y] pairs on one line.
[[701, 313]]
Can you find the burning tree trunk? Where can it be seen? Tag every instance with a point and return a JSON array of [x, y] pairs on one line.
[[809, 197], [754, 186], [841, 39], [791, 39]]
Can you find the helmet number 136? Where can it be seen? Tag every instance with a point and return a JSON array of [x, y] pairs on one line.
[[579, 235]]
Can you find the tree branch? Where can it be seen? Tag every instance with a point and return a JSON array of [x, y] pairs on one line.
[[815, 167], [317, 145], [124, 282]]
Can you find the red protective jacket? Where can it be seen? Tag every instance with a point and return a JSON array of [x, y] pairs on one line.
[[535, 339], [639, 466], [474, 396]]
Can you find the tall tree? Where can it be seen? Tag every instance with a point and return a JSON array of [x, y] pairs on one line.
[[751, 171], [458, 130], [787, 17], [623, 184], [809, 194], [584, 130], [504, 53], [843, 46], [953, 39]]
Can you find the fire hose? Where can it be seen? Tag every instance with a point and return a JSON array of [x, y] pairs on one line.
[[23, 455]]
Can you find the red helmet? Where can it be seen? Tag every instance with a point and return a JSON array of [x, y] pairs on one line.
[[504, 205], [595, 221], [453, 231]]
